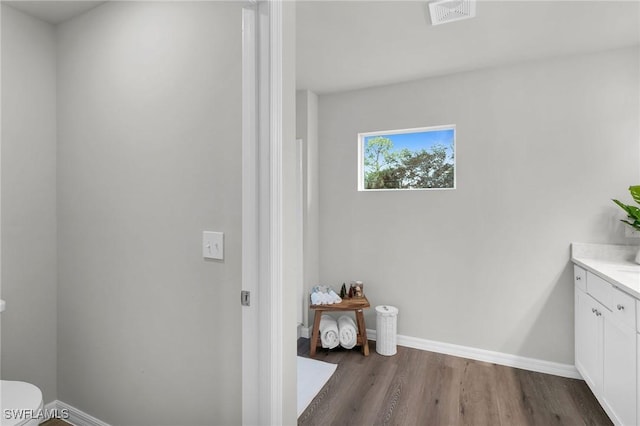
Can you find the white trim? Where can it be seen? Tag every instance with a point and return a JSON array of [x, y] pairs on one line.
[[305, 332], [264, 326], [269, 300], [250, 228], [300, 252], [403, 131], [0, 169], [263, 360], [500, 358], [76, 417], [275, 287]]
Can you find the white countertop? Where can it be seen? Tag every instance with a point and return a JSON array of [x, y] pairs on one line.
[[613, 263]]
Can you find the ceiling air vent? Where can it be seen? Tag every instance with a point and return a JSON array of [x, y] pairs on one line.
[[443, 11]]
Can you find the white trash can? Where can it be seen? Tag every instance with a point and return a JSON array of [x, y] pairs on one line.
[[386, 329]]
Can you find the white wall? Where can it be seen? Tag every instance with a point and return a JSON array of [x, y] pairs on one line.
[[307, 130], [149, 156], [542, 147], [28, 201]]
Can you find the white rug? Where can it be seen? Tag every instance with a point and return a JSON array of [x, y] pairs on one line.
[[312, 375]]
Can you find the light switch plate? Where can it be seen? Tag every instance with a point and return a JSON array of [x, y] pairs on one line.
[[213, 245]]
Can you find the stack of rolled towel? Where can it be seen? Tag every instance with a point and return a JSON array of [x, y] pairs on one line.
[[348, 332], [324, 295], [329, 334], [343, 332]]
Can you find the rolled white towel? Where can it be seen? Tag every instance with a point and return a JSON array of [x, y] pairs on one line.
[[348, 332], [329, 335], [334, 297]]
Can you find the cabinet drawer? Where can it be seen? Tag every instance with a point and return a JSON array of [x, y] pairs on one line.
[[624, 308], [580, 278], [601, 290]]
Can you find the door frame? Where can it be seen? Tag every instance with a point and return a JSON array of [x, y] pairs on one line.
[[300, 204], [250, 235], [263, 369]]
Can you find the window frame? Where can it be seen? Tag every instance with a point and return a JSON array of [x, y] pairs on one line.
[[363, 135]]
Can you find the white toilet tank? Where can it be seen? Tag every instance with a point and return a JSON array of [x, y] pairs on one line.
[[21, 404]]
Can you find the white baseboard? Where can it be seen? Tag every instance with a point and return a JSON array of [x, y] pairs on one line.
[[500, 358], [76, 416], [305, 332]]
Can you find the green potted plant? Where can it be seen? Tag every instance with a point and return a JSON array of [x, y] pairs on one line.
[[633, 212]]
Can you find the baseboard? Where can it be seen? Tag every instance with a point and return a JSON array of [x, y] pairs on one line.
[[516, 361], [500, 358], [75, 416], [304, 332]]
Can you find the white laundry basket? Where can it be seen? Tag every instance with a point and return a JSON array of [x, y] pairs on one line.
[[386, 329]]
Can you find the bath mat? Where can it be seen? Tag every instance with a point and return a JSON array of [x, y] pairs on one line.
[[312, 375]]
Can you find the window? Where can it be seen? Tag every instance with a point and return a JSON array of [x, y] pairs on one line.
[[422, 158]]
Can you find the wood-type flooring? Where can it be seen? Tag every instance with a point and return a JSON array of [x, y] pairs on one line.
[[416, 387]]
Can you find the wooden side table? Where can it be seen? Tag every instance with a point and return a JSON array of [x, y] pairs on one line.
[[353, 304]]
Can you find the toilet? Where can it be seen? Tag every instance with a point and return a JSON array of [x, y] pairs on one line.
[[21, 403]]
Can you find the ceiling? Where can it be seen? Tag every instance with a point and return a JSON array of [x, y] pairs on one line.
[[344, 45], [53, 12]]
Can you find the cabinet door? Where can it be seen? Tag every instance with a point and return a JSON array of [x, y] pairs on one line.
[[637, 375], [620, 370], [589, 332]]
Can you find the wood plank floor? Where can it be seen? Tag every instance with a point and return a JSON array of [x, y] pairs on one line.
[[423, 388], [55, 422]]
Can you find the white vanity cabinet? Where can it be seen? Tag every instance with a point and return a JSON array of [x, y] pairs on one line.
[[619, 378], [606, 344], [589, 339]]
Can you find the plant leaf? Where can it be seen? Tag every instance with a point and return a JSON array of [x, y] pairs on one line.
[[622, 206], [635, 193], [635, 225], [634, 212]]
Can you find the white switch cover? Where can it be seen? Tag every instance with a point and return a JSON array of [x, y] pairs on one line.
[[213, 245]]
